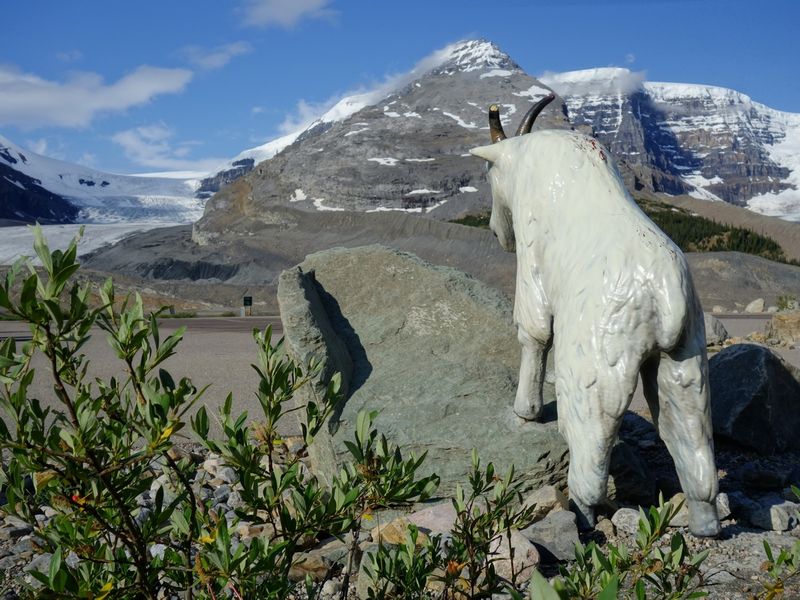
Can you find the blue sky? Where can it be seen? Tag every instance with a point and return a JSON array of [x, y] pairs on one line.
[[185, 84]]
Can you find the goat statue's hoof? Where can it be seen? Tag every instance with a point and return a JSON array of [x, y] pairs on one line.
[[703, 518], [583, 513]]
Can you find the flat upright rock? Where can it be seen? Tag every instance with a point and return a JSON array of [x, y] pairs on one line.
[[431, 349], [715, 330], [755, 399], [784, 327]]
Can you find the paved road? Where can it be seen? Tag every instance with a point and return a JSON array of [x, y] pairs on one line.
[[219, 352], [215, 351]]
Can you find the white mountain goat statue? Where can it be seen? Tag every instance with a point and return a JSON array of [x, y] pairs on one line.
[[612, 295]]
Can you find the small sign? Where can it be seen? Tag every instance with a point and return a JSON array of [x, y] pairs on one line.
[[248, 301]]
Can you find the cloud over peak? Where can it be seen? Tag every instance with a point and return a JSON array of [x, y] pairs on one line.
[[29, 101]]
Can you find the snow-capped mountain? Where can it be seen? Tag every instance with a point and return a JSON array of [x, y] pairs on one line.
[[403, 147], [33, 186], [717, 143], [466, 56]]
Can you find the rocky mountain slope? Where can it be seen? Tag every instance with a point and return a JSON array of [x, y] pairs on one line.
[[406, 150], [36, 187], [712, 143]]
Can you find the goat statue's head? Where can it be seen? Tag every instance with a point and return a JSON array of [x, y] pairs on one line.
[[501, 222]]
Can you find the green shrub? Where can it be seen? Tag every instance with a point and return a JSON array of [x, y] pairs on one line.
[[92, 458], [650, 570]]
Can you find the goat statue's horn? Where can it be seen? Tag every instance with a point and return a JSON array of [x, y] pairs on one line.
[[495, 126], [527, 121]]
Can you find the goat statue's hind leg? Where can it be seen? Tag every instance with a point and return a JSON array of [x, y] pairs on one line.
[[676, 390], [529, 400]]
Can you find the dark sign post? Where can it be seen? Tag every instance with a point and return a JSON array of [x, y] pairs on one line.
[[247, 304]]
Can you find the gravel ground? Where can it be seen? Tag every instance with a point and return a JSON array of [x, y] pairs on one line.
[[220, 351]]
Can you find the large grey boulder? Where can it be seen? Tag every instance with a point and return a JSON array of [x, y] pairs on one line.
[[431, 349], [755, 398]]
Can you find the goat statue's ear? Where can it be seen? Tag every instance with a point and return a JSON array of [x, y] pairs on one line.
[[491, 153]]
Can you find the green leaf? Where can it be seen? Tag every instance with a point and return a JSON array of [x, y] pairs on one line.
[[610, 590], [541, 590], [55, 565], [41, 248]]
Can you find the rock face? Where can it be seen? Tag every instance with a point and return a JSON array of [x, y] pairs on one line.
[[22, 198], [755, 399], [784, 327], [433, 350], [677, 137]]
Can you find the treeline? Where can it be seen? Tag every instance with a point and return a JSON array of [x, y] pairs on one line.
[[690, 232], [693, 233]]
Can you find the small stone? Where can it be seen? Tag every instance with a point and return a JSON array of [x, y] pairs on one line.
[[546, 499], [309, 563], [331, 588], [717, 309], [395, 532], [723, 506], [222, 492], [40, 563], [606, 527], [756, 306], [9, 562], [776, 514], [228, 475], [23, 548], [235, 500], [627, 520], [212, 465], [11, 532], [260, 530], [438, 518], [554, 536], [526, 556]]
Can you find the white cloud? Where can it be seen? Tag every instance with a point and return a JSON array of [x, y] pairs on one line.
[[604, 80], [305, 114], [256, 110], [284, 13], [29, 101], [151, 146], [38, 146], [630, 58], [88, 159], [69, 55], [215, 58], [342, 105]]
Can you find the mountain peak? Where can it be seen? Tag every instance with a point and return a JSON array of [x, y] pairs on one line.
[[471, 55]]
